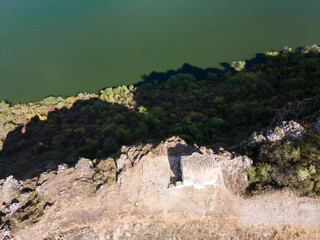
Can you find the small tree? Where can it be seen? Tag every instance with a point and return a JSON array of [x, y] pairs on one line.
[[238, 65]]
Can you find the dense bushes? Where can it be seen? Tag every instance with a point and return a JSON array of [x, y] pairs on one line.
[[291, 164]]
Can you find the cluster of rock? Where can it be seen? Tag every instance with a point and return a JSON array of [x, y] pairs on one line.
[[199, 170], [290, 130], [131, 155], [304, 115], [14, 195], [287, 130], [197, 166], [307, 111], [200, 167], [23, 202], [206, 168]]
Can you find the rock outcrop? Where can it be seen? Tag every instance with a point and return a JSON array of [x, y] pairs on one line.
[[287, 130], [224, 168], [290, 123], [24, 202], [150, 192], [9, 189], [306, 111]]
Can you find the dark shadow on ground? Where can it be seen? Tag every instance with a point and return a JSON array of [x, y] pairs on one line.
[[174, 158], [84, 130]]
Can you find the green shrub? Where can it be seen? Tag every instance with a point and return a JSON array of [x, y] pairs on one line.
[[142, 130], [142, 110], [264, 170], [303, 174], [110, 145], [259, 173], [252, 175], [123, 135], [119, 119], [50, 100], [238, 65]]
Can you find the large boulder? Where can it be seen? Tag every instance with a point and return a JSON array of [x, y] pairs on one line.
[[289, 130], [9, 190], [216, 169], [199, 169], [305, 111], [84, 169]]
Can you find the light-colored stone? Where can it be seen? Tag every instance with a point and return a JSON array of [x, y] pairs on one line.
[[256, 140], [9, 190], [84, 168], [199, 169], [46, 176], [123, 161], [290, 130]]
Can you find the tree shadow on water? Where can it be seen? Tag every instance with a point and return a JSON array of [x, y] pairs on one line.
[[197, 72], [160, 77]]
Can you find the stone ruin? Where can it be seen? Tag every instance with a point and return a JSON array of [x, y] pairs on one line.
[[223, 169], [199, 170]]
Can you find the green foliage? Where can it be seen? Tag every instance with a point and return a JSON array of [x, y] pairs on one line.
[[110, 145], [50, 100], [142, 110], [119, 119], [272, 54], [252, 175], [40, 147], [142, 130], [281, 152], [312, 169], [294, 153], [293, 164], [259, 173], [263, 170], [238, 65], [303, 174], [123, 135], [121, 95]]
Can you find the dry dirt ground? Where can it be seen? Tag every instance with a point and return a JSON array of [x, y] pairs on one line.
[[143, 205]]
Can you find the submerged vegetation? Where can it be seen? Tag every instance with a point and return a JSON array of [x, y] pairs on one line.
[[218, 108]]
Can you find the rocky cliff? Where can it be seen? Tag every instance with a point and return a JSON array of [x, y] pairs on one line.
[[167, 191]]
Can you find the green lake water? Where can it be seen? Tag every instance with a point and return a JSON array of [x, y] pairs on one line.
[[62, 47]]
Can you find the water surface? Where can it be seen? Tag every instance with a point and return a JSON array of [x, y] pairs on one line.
[[61, 47]]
